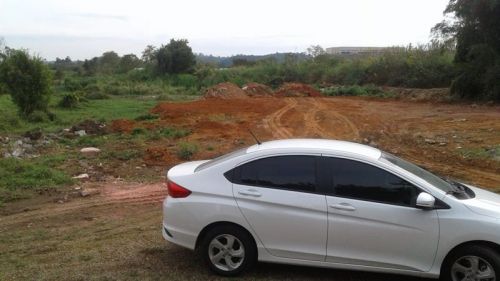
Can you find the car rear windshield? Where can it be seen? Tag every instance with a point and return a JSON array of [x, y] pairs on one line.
[[221, 159], [416, 170]]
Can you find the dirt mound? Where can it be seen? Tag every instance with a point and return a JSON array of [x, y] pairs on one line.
[[122, 126], [297, 90], [91, 127], [257, 90], [224, 91]]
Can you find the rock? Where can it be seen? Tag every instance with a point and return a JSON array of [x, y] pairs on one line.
[[90, 127], [89, 192], [18, 152], [80, 133], [430, 141], [82, 177], [90, 151]]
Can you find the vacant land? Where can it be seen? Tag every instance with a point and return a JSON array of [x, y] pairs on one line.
[[115, 235]]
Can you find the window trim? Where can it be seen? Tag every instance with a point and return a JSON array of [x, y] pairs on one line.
[[330, 194], [236, 172]]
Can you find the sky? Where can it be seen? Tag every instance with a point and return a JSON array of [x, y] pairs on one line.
[[86, 28]]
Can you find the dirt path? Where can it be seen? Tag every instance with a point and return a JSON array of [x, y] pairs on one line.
[[312, 111], [274, 121]]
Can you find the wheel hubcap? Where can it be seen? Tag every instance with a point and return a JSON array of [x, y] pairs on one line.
[[226, 252], [472, 268]]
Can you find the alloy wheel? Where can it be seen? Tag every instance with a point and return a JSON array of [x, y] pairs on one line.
[[472, 268], [226, 252]]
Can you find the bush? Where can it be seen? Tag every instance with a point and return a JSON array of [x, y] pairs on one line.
[[138, 131], [96, 96], [28, 80], [71, 100], [147, 116], [356, 90], [38, 116], [185, 80], [174, 133], [186, 150]]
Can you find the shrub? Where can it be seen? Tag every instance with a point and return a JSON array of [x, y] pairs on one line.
[[356, 90], [186, 150], [96, 96], [38, 116], [147, 116], [27, 79], [138, 131], [71, 100], [174, 133], [126, 154], [185, 80]]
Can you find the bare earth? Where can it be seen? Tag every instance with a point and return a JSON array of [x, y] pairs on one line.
[[116, 235]]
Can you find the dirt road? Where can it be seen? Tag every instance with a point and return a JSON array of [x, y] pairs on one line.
[[116, 235]]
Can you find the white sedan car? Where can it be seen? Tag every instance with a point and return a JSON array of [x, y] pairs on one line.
[[331, 204]]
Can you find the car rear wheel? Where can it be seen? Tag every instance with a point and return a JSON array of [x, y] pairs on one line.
[[228, 250], [472, 263]]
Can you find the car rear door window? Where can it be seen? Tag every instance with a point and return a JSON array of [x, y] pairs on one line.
[[357, 180], [297, 173]]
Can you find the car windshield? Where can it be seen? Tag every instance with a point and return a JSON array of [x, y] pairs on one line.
[[422, 173], [221, 159]]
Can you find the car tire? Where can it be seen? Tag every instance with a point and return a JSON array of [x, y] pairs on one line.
[[462, 262], [228, 250]]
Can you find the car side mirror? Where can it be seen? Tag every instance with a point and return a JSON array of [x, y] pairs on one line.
[[425, 201]]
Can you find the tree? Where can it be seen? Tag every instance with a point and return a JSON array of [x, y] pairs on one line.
[[128, 62], [315, 50], [27, 79], [90, 67], [108, 62], [175, 57], [149, 54], [474, 26]]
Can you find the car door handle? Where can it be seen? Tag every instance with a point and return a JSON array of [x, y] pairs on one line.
[[343, 207], [250, 192]]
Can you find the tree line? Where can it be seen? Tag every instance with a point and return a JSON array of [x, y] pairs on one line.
[[470, 33]]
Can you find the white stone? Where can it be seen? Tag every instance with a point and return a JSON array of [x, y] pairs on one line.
[[90, 151], [82, 177]]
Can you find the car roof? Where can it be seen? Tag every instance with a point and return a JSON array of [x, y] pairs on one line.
[[324, 145]]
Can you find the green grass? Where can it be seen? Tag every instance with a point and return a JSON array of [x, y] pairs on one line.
[[186, 150], [356, 90], [481, 153], [104, 110], [19, 178]]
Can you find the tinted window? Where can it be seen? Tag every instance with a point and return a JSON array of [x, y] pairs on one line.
[[362, 181], [283, 172]]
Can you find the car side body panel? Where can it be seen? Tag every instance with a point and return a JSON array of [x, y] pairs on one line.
[[214, 199]]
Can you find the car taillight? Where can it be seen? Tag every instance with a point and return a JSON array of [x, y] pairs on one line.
[[177, 191]]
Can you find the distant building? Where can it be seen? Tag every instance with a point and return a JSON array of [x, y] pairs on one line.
[[356, 50]]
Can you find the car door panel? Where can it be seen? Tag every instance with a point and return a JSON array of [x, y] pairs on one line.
[[289, 224], [277, 197], [382, 235], [372, 220]]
